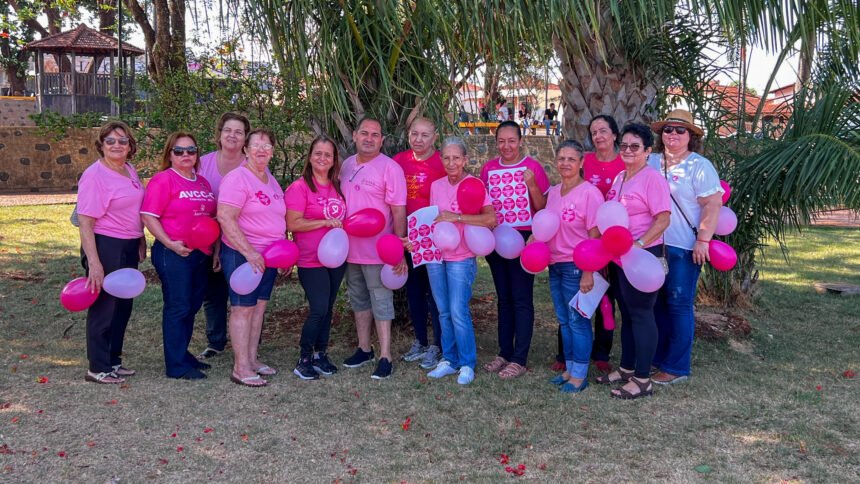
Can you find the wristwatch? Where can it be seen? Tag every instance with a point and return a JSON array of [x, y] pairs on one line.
[[459, 217], [639, 241]]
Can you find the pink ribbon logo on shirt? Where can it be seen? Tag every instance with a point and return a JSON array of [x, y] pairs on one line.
[[334, 209], [264, 199]]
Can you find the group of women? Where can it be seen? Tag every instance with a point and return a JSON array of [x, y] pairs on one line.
[[672, 199]]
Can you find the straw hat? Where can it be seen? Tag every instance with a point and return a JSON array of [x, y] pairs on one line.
[[678, 117]]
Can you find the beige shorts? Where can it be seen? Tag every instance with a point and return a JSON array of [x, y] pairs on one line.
[[364, 284]]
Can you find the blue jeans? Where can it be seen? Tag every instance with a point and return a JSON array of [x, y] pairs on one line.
[[514, 293], [576, 331], [420, 298], [674, 312], [183, 284], [452, 289], [215, 308]]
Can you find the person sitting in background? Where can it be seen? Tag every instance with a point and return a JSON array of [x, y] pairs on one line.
[[549, 116]]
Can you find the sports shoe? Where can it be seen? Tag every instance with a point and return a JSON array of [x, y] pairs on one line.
[[467, 374], [209, 353], [192, 374], [359, 358], [444, 368], [323, 365], [416, 352], [383, 369], [305, 370], [431, 358]]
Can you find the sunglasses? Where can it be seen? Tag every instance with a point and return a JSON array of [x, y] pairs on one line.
[[677, 129], [634, 147], [113, 141], [181, 150]]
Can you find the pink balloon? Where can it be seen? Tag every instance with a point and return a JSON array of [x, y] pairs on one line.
[[727, 223], [723, 256], [364, 223], [76, 297], [545, 225], [390, 279], [608, 313], [390, 249], [590, 255], [202, 233], [281, 254], [471, 195], [509, 242], [480, 240], [611, 213], [446, 236], [535, 257], [727, 191], [617, 239], [643, 270], [125, 283], [244, 280], [333, 248]]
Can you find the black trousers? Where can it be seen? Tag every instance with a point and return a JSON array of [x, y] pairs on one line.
[[638, 324], [321, 285]]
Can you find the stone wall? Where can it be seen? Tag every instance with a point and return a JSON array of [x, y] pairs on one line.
[[16, 111], [482, 148], [30, 162]]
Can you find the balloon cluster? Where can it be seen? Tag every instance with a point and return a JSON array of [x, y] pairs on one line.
[[125, 283], [723, 256]]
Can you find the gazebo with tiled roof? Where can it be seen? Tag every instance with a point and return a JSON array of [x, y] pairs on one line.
[[72, 78]]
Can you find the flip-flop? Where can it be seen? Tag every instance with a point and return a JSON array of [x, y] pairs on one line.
[[105, 378], [245, 381], [673, 381], [266, 370]]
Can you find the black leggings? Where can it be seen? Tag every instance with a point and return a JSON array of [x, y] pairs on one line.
[[638, 326], [321, 285]]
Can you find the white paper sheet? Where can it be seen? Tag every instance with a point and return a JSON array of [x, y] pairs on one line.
[[586, 304], [420, 225]]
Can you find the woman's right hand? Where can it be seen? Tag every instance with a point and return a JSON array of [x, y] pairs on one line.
[[333, 223], [96, 277], [178, 247], [256, 261]]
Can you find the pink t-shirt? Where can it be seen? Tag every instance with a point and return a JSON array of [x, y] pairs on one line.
[[209, 170], [378, 183], [444, 196], [322, 205], [113, 200], [176, 201], [262, 216], [419, 176], [578, 213], [644, 196], [601, 174], [527, 162]]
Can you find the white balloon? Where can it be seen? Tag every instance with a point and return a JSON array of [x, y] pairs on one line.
[[643, 270], [446, 236], [545, 225], [611, 213], [480, 240], [125, 283], [509, 242], [727, 222], [390, 279], [244, 280], [333, 248]]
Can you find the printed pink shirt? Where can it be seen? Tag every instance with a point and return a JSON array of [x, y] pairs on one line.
[[380, 184], [176, 201], [323, 205], [419, 176], [578, 213], [209, 170], [262, 216], [601, 174], [444, 196], [644, 196], [113, 200], [527, 162]]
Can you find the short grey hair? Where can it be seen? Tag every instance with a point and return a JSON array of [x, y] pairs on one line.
[[573, 144], [455, 141]]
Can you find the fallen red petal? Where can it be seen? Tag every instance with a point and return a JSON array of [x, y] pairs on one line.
[[61, 453], [14, 419], [206, 431], [179, 449]]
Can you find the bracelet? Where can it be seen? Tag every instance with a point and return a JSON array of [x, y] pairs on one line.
[[705, 241], [459, 217]]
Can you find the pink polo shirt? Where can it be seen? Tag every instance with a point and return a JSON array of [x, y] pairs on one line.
[[644, 196], [209, 170], [176, 201], [578, 213], [323, 205], [262, 216], [444, 196], [527, 162], [601, 174], [419, 175], [378, 183], [113, 200]]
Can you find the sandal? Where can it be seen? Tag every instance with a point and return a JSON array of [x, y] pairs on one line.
[[623, 377], [108, 378], [645, 389], [512, 370], [120, 370], [496, 365], [247, 381], [266, 370]]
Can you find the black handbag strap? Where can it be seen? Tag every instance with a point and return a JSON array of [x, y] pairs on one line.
[[666, 174]]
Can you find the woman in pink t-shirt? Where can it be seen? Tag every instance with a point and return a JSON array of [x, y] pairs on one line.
[[452, 280], [252, 213], [315, 205], [174, 198], [645, 194], [109, 198]]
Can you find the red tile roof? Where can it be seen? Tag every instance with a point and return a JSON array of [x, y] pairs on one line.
[[83, 40]]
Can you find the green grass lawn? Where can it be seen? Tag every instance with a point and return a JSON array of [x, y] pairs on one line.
[[775, 407]]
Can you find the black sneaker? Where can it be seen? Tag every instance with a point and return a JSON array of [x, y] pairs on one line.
[[360, 358], [193, 374], [383, 369], [305, 370], [202, 366], [323, 365]]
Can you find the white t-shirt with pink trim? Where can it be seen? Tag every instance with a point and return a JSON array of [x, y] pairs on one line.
[[176, 201], [644, 196], [113, 200], [209, 170], [325, 204], [577, 211], [444, 196], [262, 216]]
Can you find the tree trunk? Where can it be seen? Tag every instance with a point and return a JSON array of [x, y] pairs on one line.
[[107, 12], [165, 40], [807, 57]]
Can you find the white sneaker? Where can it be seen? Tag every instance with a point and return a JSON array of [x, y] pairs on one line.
[[467, 374], [442, 369]]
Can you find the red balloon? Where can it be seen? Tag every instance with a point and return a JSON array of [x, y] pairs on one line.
[[723, 257], [727, 191], [202, 233], [590, 255], [535, 257], [390, 249], [364, 223], [617, 240], [471, 195], [76, 297], [281, 254]]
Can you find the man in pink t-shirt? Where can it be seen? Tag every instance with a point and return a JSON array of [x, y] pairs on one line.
[[370, 179]]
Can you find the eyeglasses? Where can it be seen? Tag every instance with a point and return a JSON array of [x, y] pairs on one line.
[[265, 147], [677, 129], [633, 147], [181, 150], [113, 141]]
